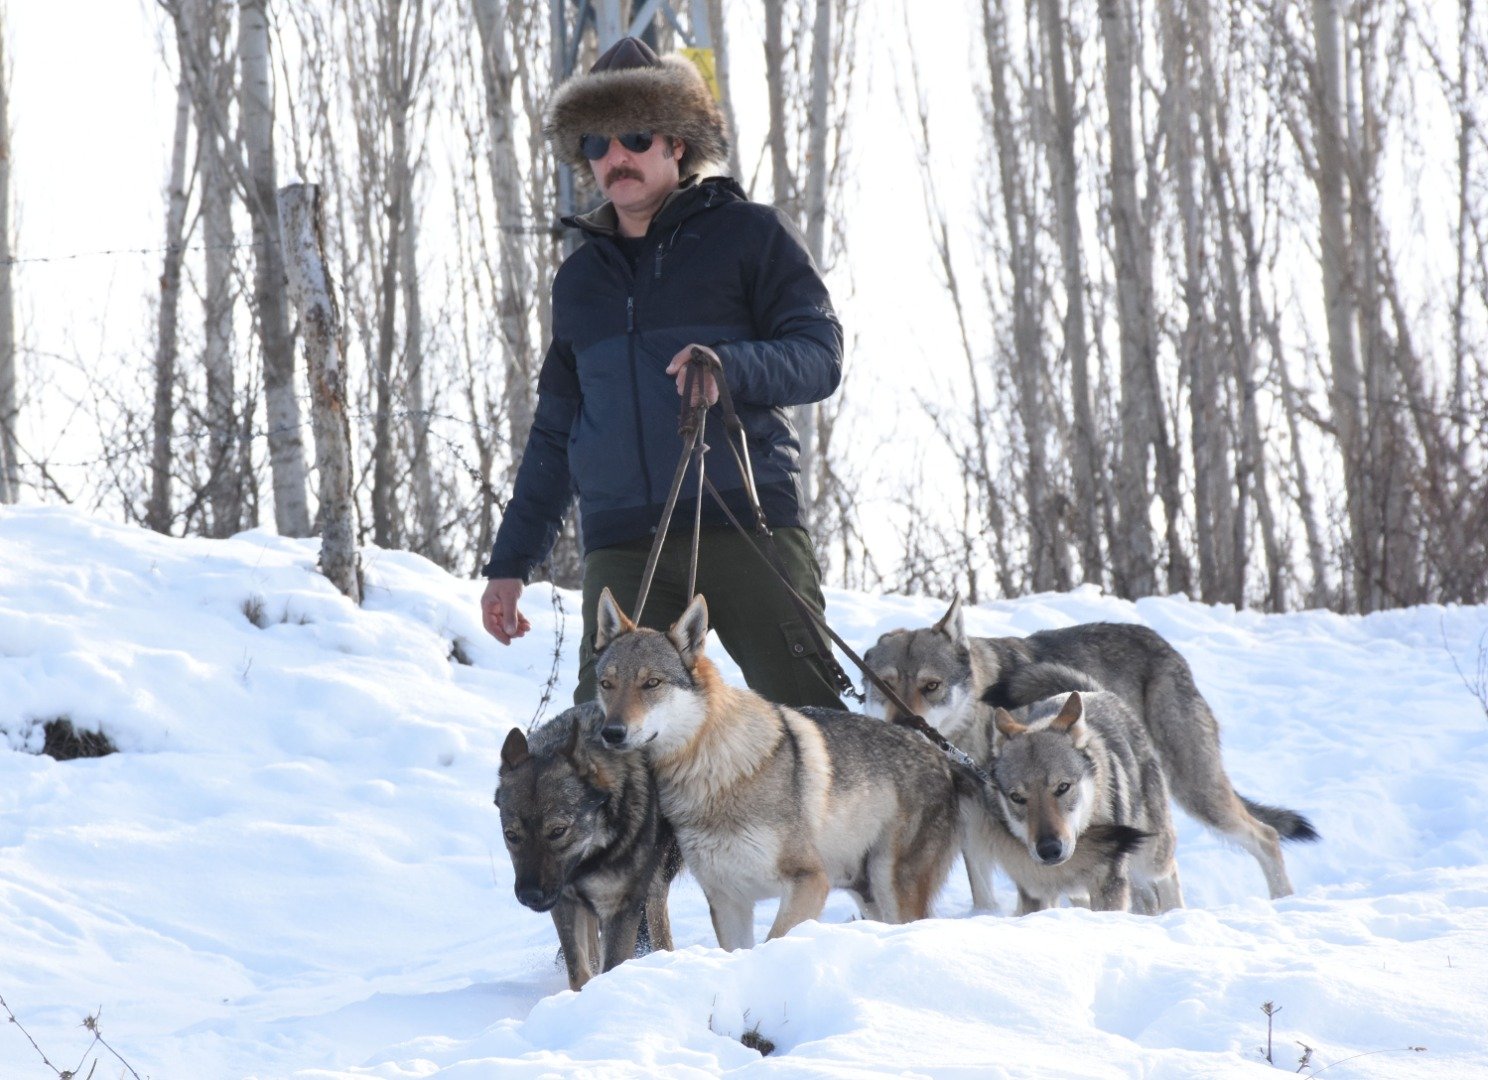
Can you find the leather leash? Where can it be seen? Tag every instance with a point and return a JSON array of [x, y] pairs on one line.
[[690, 426]]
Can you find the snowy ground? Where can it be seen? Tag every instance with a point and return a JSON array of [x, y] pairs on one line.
[[294, 869]]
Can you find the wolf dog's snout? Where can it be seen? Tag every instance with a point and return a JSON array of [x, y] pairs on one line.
[[613, 732], [534, 896], [1050, 850]]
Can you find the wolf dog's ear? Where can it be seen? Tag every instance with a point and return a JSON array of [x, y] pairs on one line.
[[610, 621], [951, 624], [1071, 721], [1005, 728], [591, 767], [514, 750], [690, 631]]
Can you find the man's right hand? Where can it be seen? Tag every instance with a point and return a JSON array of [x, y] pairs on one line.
[[499, 612]]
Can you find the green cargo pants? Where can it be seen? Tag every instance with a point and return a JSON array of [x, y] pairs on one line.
[[748, 606]]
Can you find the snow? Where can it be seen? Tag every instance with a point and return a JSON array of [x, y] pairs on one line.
[[294, 868]]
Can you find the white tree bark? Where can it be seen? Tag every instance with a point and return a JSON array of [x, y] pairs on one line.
[[10, 466], [817, 124], [514, 302], [282, 409], [1085, 465], [1048, 559], [718, 31], [1340, 295], [206, 32], [312, 292], [158, 511]]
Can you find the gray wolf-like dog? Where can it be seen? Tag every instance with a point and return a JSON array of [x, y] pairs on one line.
[[952, 680], [1080, 765], [587, 840], [768, 801]]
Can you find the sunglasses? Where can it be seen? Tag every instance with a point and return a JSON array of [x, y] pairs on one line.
[[595, 147]]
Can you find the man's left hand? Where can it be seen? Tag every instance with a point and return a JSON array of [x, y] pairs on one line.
[[704, 387]]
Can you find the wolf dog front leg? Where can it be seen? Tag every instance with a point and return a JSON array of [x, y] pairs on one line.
[[619, 937], [733, 921], [578, 936], [805, 895]]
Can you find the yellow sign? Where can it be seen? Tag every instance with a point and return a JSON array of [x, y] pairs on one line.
[[702, 59]]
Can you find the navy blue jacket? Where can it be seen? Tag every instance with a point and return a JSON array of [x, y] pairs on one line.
[[715, 269]]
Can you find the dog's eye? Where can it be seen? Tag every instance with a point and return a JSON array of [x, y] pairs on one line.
[[652, 683], [557, 832], [932, 686], [1062, 788], [1013, 796], [605, 684], [513, 837]]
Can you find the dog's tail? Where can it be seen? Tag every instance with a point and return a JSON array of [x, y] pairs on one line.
[[1114, 841], [1034, 682], [1291, 826]]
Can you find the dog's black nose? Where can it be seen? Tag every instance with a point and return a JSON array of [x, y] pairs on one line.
[[613, 733], [531, 896], [1049, 849]]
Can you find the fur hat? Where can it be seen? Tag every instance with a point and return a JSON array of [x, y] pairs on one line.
[[630, 88]]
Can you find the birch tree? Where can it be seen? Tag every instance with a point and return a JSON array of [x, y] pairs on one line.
[[158, 513], [1340, 297], [204, 25], [1059, 145], [10, 471], [1048, 559], [494, 23], [807, 94], [313, 293], [282, 409], [1143, 428]]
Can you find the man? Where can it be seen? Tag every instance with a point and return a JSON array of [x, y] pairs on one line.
[[671, 263]]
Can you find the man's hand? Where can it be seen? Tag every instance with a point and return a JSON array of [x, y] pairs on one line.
[[499, 613], [704, 388]]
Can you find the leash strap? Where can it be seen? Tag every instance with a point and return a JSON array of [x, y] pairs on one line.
[[907, 717], [691, 425]]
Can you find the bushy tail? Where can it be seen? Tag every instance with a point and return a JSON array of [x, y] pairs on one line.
[[1114, 840], [1289, 825]]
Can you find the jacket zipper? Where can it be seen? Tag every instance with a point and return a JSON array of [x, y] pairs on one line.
[[635, 391]]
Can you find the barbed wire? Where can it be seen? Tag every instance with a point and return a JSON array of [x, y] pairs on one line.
[[203, 431], [114, 252], [559, 621], [539, 227]]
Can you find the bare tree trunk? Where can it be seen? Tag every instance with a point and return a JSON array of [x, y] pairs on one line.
[[492, 20], [1061, 151], [282, 408], [425, 498], [1250, 474], [158, 512], [1221, 551], [1143, 427], [816, 220], [312, 292], [782, 182], [1048, 558], [1340, 297], [10, 466], [224, 483], [401, 45], [1465, 132], [718, 31]]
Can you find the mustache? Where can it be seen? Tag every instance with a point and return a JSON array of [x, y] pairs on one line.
[[621, 172]]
